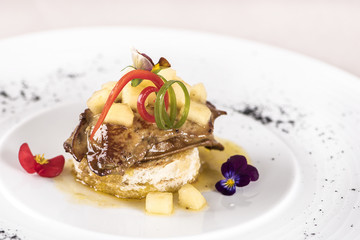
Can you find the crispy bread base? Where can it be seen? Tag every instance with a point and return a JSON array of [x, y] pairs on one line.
[[166, 175]]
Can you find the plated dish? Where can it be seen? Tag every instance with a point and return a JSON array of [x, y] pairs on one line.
[[142, 137], [295, 118]]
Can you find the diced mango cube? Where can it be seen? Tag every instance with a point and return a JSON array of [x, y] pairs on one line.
[[120, 114], [109, 86], [130, 94], [191, 198], [97, 101], [180, 97], [198, 93], [168, 73], [199, 113], [159, 203]]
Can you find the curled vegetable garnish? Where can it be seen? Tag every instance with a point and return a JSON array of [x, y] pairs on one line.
[[143, 74], [145, 69], [141, 103], [39, 164], [163, 121], [161, 117]]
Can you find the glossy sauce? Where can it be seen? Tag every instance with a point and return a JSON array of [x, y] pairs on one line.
[[210, 173]]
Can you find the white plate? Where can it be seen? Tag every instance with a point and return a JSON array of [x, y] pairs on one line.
[[303, 137]]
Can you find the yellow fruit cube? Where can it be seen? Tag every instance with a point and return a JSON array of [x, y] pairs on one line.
[[159, 203], [97, 101], [168, 73], [109, 86], [199, 113], [198, 93], [180, 97], [131, 94], [120, 114], [191, 198]]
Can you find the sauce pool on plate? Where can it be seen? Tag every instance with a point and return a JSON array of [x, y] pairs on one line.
[[210, 173]]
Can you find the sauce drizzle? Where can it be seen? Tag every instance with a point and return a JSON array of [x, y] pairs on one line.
[[210, 173]]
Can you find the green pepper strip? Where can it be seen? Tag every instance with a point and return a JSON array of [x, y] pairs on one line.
[[163, 121], [173, 108]]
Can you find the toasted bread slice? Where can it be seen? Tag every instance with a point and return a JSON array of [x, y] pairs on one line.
[[167, 174]]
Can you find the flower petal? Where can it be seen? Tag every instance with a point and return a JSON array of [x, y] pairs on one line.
[[239, 162], [237, 179], [244, 181], [221, 187], [252, 172], [141, 60], [227, 170], [51, 169], [26, 158]]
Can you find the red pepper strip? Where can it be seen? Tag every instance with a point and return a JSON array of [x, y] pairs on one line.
[[141, 104], [143, 74]]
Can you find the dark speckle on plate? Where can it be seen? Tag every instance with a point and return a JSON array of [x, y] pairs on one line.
[[7, 234]]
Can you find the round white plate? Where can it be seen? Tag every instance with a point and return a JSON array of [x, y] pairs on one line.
[[296, 117]]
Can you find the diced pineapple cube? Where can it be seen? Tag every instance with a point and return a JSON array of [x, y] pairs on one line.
[[130, 94], [109, 86], [199, 113], [180, 97], [120, 114], [168, 73], [97, 101], [198, 93], [159, 203], [191, 198]]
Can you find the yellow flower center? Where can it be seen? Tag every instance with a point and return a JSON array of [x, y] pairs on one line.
[[40, 159], [230, 182], [156, 68]]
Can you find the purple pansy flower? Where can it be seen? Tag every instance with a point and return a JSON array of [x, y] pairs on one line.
[[237, 173]]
